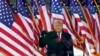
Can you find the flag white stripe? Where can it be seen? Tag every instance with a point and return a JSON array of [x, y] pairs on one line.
[[57, 16], [19, 29], [12, 42], [88, 47], [83, 31], [26, 43], [47, 19], [27, 26], [28, 19], [96, 35], [80, 24], [15, 35], [72, 35], [38, 16], [84, 23], [88, 35], [74, 25], [89, 14], [95, 16], [20, 39], [76, 15], [9, 49], [66, 17]]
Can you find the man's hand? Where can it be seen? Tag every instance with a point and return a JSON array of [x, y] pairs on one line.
[[43, 33]]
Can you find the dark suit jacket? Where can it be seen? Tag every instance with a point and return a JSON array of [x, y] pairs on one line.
[[55, 48]]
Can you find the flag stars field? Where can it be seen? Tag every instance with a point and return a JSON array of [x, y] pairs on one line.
[[22, 24]]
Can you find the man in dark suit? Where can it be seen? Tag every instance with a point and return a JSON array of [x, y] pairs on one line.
[[58, 42]]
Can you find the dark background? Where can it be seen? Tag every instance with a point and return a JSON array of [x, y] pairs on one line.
[[65, 1]]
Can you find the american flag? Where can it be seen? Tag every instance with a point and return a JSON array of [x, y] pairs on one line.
[[28, 23], [43, 11], [78, 15], [85, 30], [35, 9], [39, 22], [71, 23], [24, 13], [36, 21], [94, 13], [95, 19], [37, 15], [14, 38], [77, 12], [56, 12]]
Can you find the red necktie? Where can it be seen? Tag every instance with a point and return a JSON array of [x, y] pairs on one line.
[[58, 37]]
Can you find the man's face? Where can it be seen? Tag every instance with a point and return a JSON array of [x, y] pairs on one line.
[[58, 27]]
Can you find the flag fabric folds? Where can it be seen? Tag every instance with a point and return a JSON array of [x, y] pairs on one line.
[[43, 10], [12, 37], [21, 25], [96, 22], [56, 12]]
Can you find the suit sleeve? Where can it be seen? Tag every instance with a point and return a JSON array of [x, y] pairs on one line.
[[41, 42], [70, 50], [43, 39]]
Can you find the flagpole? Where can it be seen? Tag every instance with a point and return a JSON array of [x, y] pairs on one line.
[[34, 21], [94, 40], [37, 27], [70, 18], [83, 40], [97, 6], [41, 19], [39, 13], [14, 17]]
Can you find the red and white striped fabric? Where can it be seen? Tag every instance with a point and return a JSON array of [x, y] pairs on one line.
[[80, 24], [95, 28], [73, 30], [16, 39], [43, 11], [93, 24]]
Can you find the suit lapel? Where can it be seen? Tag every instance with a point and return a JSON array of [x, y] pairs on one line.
[[62, 36]]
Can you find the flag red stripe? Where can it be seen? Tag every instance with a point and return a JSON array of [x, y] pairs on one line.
[[19, 33], [17, 41], [26, 39], [11, 46], [19, 21], [40, 24], [42, 17], [89, 19], [5, 51]]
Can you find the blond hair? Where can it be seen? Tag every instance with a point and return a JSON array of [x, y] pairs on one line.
[[58, 22]]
